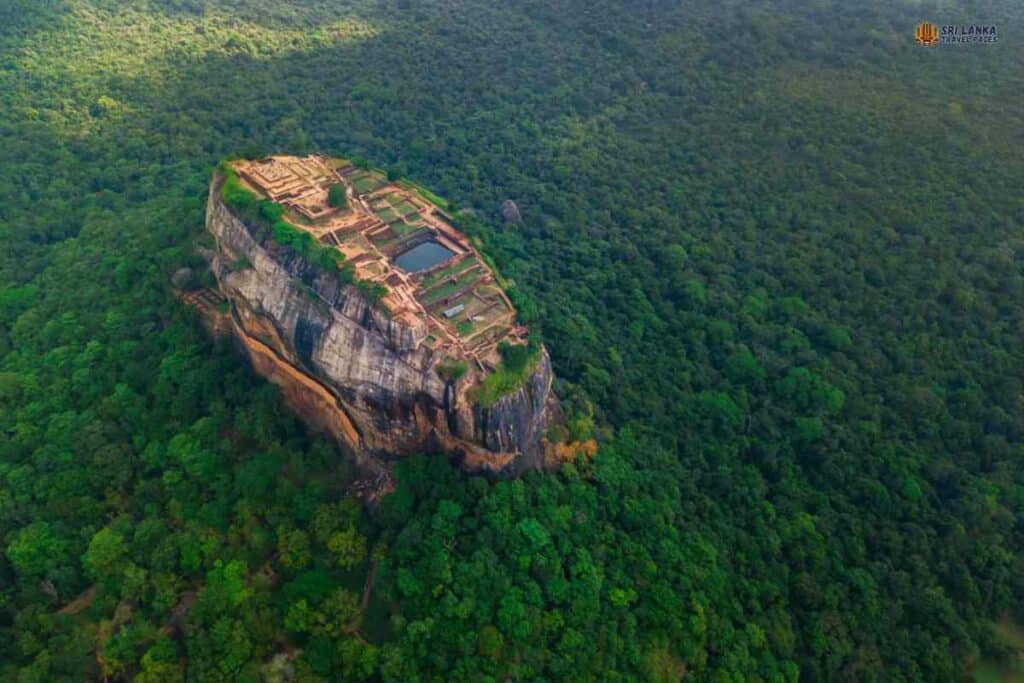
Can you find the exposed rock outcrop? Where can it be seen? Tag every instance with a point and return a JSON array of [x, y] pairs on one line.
[[346, 367], [510, 212], [183, 278]]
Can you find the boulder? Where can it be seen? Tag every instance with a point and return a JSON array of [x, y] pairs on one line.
[[183, 278], [510, 212]]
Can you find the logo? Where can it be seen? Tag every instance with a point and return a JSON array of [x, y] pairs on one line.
[[930, 35], [927, 34]]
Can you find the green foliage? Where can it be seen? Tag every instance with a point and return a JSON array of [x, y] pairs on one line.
[[719, 410], [518, 363], [452, 370], [36, 550], [293, 548], [225, 586], [373, 291], [106, 552], [742, 367], [348, 548], [810, 392], [515, 357], [441, 202], [797, 317]]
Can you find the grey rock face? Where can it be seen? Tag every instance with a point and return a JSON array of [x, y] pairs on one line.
[[519, 417]]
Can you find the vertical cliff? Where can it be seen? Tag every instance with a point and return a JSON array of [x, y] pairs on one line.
[[349, 367]]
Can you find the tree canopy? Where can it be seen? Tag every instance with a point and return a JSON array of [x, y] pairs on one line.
[[775, 252]]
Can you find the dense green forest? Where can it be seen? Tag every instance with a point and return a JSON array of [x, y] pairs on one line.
[[776, 251]]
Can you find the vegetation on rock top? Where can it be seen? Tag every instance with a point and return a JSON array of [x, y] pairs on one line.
[[518, 361]]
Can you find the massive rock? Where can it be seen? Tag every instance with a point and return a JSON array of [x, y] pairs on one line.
[[347, 368]]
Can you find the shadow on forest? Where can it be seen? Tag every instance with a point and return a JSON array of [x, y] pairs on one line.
[[394, 96], [21, 18]]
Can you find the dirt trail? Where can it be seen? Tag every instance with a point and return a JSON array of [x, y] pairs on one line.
[[80, 603], [367, 589]]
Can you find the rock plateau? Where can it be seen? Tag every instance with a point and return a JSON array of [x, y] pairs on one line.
[[392, 370]]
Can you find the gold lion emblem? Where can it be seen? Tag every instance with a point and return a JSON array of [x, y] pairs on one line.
[[927, 34]]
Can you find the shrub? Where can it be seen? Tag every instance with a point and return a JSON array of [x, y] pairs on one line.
[[397, 171], [452, 369], [371, 290], [514, 356]]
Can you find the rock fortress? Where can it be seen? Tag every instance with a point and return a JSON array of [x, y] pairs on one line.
[[381, 323]]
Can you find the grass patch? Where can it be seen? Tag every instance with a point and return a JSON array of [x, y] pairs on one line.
[[464, 328], [406, 207], [426, 194], [402, 229], [367, 182], [447, 272], [296, 217], [463, 280]]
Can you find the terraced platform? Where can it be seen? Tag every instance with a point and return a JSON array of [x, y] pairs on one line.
[[448, 287]]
